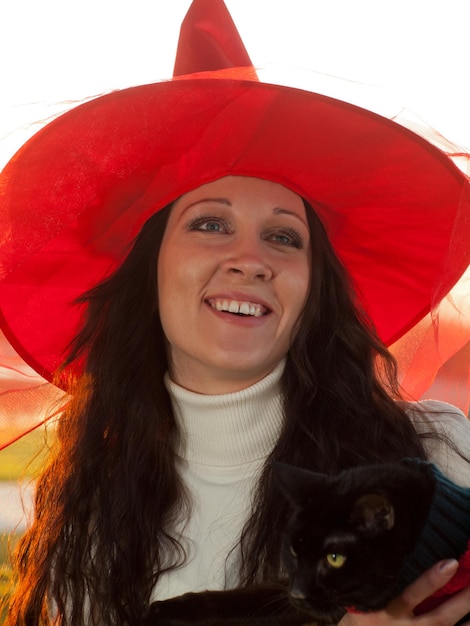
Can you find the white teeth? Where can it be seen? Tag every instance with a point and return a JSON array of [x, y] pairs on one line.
[[234, 306]]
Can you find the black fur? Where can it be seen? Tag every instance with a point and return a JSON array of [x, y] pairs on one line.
[[260, 605], [370, 515]]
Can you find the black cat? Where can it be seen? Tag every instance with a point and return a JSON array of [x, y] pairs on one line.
[[356, 539], [353, 542]]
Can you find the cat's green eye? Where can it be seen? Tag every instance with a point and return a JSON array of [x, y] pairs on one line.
[[335, 560]]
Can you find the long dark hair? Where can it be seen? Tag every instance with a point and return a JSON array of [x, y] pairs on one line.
[[108, 499]]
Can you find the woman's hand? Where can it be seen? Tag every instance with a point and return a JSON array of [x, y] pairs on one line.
[[400, 611]]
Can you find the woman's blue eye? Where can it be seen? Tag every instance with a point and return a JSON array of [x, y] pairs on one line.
[[288, 238], [208, 225], [284, 239]]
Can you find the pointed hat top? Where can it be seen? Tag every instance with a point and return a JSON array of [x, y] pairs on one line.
[[209, 40]]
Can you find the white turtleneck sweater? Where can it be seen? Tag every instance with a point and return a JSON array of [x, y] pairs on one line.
[[225, 442]]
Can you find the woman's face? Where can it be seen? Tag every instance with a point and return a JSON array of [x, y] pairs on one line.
[[233, 277]]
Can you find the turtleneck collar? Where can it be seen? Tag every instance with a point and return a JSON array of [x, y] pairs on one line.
[[229, 429]]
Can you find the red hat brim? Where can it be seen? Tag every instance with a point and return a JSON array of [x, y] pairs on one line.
[[397, 210]]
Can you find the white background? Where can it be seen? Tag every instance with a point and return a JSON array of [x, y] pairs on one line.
[[65, 50]]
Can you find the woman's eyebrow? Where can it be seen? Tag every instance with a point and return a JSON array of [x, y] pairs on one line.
[[281, 211], [224, 201]]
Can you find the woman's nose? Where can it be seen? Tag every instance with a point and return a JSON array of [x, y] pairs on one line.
[[249, 261]]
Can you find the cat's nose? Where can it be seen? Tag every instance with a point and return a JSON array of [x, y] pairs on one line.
[[297, 593]]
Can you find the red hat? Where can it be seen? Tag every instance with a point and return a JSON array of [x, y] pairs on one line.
[[396, 208]]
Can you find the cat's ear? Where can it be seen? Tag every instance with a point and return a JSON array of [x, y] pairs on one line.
[[373, 512], [295, 483]]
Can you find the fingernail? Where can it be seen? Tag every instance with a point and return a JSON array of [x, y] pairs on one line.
[[449, 566]]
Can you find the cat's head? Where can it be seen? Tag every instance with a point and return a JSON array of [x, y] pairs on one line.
[[347, 536]]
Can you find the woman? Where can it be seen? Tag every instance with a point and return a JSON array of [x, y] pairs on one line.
[[238, 291], [230, 336]]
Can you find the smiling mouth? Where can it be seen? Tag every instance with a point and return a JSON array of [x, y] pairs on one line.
[[238, 307]]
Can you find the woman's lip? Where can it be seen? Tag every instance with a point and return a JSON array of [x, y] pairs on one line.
[[244, 308], [241, 320], [240, 297]]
